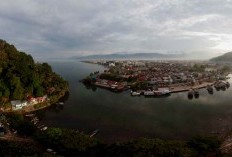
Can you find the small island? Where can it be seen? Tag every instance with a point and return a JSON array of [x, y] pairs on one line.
[[26, 85]]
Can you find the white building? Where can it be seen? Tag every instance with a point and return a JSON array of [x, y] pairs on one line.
[[18, 104], [112, 64]]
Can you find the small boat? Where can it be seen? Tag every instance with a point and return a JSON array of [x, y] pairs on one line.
[[135, 93], [149, 93], [157, 92], [44, 128], [40, 126], [196, 93], [209, 89], [94, 133], [30, 115], [162, 92], [220, 85], [60, 103], [190, 94]]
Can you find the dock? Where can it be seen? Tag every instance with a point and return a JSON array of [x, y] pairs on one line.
[[187, 88]]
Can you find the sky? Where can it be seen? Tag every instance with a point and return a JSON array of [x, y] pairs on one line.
[[51, 28]]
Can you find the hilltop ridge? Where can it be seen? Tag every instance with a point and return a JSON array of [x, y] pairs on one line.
[[133, 56], [21, 76], [227, 57]]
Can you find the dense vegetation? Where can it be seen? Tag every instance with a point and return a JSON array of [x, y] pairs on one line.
[[69, 142], [20, 76], [18, 148]]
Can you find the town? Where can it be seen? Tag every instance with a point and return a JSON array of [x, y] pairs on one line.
[[158, 78]]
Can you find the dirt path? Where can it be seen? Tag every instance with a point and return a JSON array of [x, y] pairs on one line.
[[12, 137]]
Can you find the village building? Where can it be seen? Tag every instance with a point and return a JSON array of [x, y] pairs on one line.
[[33, 101], [18, 104]]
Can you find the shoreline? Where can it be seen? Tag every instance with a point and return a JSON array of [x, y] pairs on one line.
[[28, 109], [187, 88]]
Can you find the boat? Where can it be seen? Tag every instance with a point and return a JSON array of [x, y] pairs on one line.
[[162, 92], [209, 89], [157, 93], [227, 84], [44, 128], [196, 93], [190, 94], [94, 133], [30, 115], [60, 103], [135, 93], [220, 85], [113, 86], [149, 93]]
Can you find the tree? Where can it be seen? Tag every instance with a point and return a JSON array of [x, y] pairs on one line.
[[204, 144], [20, 76], [39, 91], [18, 93], [26, 128], [6, 92]]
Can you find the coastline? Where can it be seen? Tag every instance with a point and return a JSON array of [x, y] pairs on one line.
[[32, 108], [187, 88]]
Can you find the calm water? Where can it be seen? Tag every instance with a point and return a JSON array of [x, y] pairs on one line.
[[121, 117]]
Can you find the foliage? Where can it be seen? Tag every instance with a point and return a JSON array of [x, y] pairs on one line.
[[19, 123], [14, 148], [70, 143], [66, 141], [198, 68], [204, 144], [14, 119], [139, 85], [225, 69], [20, 76], [110, 76]]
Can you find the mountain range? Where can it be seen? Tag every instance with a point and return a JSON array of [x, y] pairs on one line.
[[135, 56]]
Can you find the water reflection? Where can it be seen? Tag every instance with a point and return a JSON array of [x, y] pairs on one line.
[[88, 86], [65, 97], [210, 92], [120, 116]]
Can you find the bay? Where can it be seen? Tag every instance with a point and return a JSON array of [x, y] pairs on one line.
[[120, 117]]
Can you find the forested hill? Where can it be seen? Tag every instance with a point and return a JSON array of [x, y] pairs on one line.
[[20, 76], [227, 57]]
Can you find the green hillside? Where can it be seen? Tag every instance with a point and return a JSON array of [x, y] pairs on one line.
[[20, 76], [227, 57]]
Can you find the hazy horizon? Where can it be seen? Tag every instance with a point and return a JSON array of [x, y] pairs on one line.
[[51, 29]]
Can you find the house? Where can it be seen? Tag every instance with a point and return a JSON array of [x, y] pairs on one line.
[[111, 64], [153, 81], [33, 101], [18, 104]]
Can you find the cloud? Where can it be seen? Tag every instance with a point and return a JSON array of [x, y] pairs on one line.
[[67, 28]]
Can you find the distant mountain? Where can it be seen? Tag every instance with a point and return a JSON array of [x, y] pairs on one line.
[[227, 57], [135, 56]]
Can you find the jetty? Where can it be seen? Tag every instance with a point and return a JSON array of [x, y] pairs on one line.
[[177, 89]]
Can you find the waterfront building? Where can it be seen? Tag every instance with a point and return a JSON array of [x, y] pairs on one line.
[[18, 104]]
